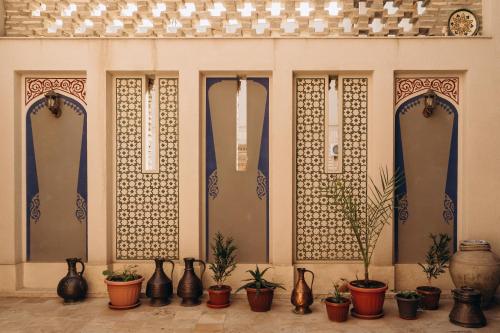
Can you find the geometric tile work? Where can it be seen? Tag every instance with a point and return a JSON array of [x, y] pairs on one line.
[[320, 230], [147, 204], [207, 18]]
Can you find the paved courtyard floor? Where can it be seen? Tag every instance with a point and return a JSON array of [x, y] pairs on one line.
[[93, 315]]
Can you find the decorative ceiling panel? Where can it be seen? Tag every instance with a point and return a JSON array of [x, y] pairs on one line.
[[205, 18]]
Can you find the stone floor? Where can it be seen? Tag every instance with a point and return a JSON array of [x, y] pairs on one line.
[[93, 315]]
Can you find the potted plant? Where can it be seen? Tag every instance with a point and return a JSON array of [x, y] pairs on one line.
[[366, 221], [124, 287], [260, 292], [337, 306], [436, 261], [223, 265], [408, 302]]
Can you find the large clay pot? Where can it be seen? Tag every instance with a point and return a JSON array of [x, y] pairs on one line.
[[367, 303], [477, 267], [124, 295], [261, 300], [73, 287], [337, 312]]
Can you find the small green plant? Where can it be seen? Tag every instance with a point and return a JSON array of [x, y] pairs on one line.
[[129, 273], [339, 287], [437, 257], [408, 294], [224, 259], [258, 282]]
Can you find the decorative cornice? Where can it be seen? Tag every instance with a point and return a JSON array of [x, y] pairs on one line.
[[447, 86], [35, 87]]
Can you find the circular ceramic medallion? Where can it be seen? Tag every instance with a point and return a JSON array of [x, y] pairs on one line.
[[463, 22]]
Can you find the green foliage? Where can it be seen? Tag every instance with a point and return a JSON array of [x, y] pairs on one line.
[[437, 257], [258, 282], [408, 294], [367, 220], [338, 288], [224, 258], [129, 273]]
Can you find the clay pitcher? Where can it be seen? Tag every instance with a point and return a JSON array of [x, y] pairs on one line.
[[302, 296], [159, 287], [73, 287], [190, 287]]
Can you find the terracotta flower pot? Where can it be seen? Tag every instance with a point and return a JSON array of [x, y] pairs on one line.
[[219, 297], [124, 295], [260, 301], [367, 303], [407, 307], [337, 311], [430, 297]]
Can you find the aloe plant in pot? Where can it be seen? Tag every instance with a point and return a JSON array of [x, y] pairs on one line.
[[366, 220], [260, 292], [337, 306], [124, 287], [436, 262], [224, 263]]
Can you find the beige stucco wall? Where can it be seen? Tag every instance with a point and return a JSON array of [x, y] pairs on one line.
[[476, 61]]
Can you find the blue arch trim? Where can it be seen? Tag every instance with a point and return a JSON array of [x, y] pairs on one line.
[[31, 172], [452, 174]]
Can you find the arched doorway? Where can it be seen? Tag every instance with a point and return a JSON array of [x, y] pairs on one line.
[[426, 151], [56, 181]]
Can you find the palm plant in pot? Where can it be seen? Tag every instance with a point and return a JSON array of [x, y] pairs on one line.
[[408, 302], [124, 287], [260, 292], [224, 263], [436, 262], [337, 306], [366, 220]]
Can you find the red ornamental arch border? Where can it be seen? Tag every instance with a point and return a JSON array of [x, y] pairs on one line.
[[447, 86], [35, 87]]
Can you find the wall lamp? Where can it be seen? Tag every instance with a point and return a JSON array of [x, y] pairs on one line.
[[430, 99], [52, 100]]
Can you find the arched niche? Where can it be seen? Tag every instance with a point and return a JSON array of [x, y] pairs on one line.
[[56, 181]]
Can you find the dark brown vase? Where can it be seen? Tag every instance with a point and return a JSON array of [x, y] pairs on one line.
[[219, 297], [337, 312], [73, 287], [367, 302], [467, 309], [430, 297], [159, 287], [302, 296], [407, 307], [260, 300], [190, 287]]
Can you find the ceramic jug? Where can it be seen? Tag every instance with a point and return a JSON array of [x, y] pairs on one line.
[[190, 287], [159, 287], [476, 266], [73, 287], [302, 296]]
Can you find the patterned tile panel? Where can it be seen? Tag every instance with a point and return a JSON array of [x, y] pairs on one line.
[[405, 87], [36, 86], [320, 231], [147, 204]]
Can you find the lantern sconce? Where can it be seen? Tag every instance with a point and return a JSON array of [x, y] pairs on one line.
[[52, 100], [430, 99]]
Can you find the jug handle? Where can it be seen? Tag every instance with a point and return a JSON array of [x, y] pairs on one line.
[[204, 267], [312, 282], [83, 266], [172, 271]]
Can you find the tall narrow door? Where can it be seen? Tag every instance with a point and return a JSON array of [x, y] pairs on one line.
[[236, 164]]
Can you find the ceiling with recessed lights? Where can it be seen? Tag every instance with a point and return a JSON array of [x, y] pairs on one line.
[[149, 18]]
